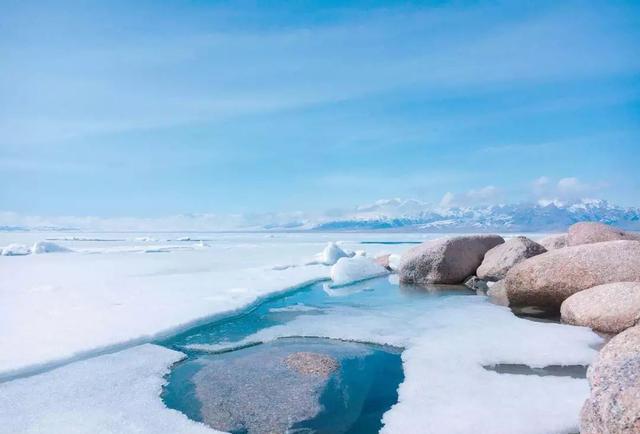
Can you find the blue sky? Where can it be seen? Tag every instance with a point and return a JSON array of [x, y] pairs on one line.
[[150, 108]]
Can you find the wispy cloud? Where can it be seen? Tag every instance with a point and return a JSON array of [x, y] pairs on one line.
[[161, 79]]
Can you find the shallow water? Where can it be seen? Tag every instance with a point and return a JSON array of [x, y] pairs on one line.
[[244, 386]]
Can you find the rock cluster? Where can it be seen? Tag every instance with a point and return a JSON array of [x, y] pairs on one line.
[[548, 279], [446, 260], [591, 275]]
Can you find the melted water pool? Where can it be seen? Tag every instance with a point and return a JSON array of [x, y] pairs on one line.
[[247, 387]]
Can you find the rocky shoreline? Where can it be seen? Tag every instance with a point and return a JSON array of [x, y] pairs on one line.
[[590, 275]]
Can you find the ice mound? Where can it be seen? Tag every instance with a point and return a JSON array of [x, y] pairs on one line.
[[331, 253], [349, 270], [15, 250], [48, 247]]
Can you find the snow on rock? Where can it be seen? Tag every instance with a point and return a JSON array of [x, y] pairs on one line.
[[349, 270], [16, 250], [48, 247], [111, 394], [331, 253]]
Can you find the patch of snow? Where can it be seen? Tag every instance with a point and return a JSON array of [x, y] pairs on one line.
[[15, 250], [48, 247], [331, 253], [111, 394], [349, 270]]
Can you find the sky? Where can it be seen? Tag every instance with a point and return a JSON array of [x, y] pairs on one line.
[[154, 108]]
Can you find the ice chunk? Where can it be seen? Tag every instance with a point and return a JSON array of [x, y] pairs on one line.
[[15, 250], [348, 270], [48, 247], [331, 253], [115, 393]]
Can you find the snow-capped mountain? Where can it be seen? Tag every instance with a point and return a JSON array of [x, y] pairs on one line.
[[390, 215], [396, 214]]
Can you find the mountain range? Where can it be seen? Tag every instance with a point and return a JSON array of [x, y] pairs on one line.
[[412, 215], [383, 215]]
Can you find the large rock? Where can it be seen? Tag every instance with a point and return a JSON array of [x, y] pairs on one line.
[[609, 308], [550, 278], [614, 404], [554, 242], [592, 232], [503, 257], [446, 260]]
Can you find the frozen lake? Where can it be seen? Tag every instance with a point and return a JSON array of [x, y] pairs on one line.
[[79, 325]]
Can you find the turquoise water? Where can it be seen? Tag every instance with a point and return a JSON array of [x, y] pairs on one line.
[[251, 390]]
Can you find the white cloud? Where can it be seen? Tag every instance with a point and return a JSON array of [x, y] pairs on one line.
[[565, 190], [487, 195]]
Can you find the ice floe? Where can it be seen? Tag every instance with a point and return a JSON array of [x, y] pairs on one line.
[[115, 394], [15, 250], [48, 247]]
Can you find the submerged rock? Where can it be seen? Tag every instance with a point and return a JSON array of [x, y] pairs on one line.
[[554, 242], [609, 308], [503, 257], [312, 363], [550, 278], [446, 260], [593, 232], [614, 404], [257, 392]]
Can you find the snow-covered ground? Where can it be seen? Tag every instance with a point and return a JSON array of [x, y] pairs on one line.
[[115, 291], [115, 394]]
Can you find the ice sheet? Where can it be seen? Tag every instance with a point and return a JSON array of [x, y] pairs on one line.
[[109, 294], [111, 394]]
